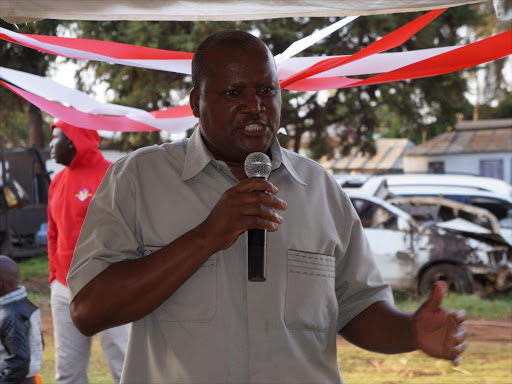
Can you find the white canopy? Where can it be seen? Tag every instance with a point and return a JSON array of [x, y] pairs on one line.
[[17, 11]]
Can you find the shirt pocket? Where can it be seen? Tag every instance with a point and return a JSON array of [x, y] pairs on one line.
[[310, 296], [196, 299]]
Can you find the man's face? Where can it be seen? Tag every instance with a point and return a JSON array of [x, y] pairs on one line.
[[61, 148], [239, 103]]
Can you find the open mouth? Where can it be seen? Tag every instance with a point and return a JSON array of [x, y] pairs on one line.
[[254, 128]]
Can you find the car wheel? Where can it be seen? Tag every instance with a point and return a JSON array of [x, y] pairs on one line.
[[457, 278]]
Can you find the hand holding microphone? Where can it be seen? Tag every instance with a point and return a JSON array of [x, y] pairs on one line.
[[257, 165], [250, 204]]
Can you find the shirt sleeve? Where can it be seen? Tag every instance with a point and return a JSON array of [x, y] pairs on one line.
[[52, 240], [108, 232], [358, 281], [36, 343], [14, 336]]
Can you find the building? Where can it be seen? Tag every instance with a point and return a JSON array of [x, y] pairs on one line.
[[387, 159], [481, 148]]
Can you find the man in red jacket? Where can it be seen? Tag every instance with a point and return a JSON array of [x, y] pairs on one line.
[[70, 193]]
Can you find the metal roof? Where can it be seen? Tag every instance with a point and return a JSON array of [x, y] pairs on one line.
[[484, 124], [387, 158], [479, 137]]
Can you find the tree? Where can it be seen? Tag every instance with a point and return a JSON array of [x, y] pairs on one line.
[[418, 109], [21, 122]]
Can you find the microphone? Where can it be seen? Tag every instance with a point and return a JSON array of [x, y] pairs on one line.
[[257, 164]]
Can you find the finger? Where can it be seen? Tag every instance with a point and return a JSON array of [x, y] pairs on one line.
[[261, 211], [436, 297], [461, 316], [459, 336], [457, 360], [256, 184], [458, 351], [255, 222], [265, 199]]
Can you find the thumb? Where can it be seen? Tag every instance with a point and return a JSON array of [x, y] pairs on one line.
[[436, 297]]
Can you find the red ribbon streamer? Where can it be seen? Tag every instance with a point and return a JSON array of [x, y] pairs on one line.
[[392, 40], [7, 38], [111, 49], [174, 112], [492, 48]]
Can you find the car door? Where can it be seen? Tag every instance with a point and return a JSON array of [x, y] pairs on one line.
[[390, 244]]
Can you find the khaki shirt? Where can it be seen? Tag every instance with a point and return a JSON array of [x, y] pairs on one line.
[[218, 327]]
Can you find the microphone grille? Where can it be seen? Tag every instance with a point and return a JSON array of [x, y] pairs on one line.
[[257, 164]]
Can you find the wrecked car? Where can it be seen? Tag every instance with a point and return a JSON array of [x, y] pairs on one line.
[[500, 207], [454, 216], [412, 256]]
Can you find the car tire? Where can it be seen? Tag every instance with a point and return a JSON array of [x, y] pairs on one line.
[[457, 278]]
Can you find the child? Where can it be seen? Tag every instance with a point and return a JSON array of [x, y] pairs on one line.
[[21, 344]]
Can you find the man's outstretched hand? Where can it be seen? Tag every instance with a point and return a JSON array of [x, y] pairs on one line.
[[439, 332]]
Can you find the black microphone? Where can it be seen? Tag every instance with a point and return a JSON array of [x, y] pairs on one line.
[[257, 164]]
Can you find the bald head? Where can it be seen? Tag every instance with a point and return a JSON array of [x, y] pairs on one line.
[[8, 275], [234, 39]]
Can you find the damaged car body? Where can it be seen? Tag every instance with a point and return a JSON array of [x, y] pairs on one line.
[[413, 256]]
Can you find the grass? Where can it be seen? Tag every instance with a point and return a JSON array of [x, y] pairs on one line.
[[98, 370], [481, 364], [34, 276], [34, 266], [495, 306]]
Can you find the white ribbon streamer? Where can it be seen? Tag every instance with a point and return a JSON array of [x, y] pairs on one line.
[[308, 41]]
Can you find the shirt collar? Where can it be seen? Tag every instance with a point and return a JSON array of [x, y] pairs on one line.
[[198, 157], [279, 156]]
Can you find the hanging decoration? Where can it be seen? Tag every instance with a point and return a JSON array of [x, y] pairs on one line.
[[297, 74]]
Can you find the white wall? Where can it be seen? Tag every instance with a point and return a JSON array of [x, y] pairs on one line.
[[461, 163]]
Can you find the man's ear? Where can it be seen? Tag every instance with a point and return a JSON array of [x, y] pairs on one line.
[[194, 101]]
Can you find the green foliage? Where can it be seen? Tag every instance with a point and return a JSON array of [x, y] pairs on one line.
[[502, 111]]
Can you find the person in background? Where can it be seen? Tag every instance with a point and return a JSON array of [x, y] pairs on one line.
[[21, 342], [69, 196]]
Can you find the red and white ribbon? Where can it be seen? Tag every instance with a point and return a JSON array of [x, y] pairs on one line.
[[105, 51], [492, 48], [392, 40], [301, 74], [376, 63], [45, 92]]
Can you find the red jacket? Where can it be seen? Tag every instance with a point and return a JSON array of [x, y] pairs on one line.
[[70, 193]]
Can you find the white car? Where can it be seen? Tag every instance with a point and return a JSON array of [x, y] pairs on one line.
[[413, 257], [477, 183]]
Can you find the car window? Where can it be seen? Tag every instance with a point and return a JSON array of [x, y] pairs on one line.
[[374, 216], [501, 209]]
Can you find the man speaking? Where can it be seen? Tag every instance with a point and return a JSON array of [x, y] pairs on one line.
[[164, 246]]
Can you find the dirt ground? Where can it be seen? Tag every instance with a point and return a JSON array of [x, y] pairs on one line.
[[478, 330]]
